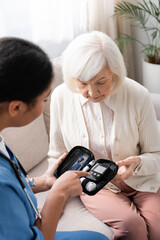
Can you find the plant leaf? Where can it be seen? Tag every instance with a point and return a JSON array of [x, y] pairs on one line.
[[147, 15]]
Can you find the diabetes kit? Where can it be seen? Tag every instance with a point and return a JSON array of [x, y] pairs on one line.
[[82, 159]]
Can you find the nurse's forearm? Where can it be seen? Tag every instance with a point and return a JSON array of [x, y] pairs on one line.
[[66, 186], [51, 213]]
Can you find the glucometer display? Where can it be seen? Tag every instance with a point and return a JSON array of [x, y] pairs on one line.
[[99, 169], [97, 172]]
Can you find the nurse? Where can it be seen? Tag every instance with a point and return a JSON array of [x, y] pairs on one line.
[[25, 84]]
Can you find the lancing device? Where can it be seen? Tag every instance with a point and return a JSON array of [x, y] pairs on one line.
[[88, 167]]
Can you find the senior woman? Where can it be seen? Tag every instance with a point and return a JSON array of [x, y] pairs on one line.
[[100, 108]]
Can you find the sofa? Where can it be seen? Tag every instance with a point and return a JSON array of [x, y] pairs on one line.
[[30, 144]]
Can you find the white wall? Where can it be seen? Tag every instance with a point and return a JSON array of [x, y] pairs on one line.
[[137, 55]]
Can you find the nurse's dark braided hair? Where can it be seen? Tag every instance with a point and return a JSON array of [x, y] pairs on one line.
[[25, 70]]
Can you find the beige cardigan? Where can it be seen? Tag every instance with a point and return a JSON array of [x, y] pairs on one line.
[[134, 131]]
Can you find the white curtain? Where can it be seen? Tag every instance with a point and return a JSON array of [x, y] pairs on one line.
[[99, 15], [52, 24]]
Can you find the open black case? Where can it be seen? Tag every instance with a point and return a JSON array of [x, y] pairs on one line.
[[82, 159]]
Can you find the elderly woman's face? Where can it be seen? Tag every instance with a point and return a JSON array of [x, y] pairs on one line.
[[98, 88]]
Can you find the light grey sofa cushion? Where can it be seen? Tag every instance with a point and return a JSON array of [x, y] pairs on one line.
[[158, 125], [77, 217], [58, 79], [29, 143]]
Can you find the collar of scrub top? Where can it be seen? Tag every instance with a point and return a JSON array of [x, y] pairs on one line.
[[17, 170]]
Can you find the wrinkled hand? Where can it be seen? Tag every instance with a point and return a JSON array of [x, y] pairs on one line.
[[127, 167], [69, 183]]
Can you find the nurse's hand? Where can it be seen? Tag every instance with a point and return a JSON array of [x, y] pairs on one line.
[[45, 182], [69, 183], [49, 174], [127, 167]]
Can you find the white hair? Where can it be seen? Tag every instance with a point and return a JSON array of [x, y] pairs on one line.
[[87, 54]]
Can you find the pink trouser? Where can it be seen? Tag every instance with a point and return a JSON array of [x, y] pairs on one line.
[[132, 215]]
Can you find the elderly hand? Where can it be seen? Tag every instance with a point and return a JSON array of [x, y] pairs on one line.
[[127, 167]]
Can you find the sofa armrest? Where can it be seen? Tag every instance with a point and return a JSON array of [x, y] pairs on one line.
[[156, 103]]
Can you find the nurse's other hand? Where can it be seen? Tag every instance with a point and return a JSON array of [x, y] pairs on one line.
[[126, 167]]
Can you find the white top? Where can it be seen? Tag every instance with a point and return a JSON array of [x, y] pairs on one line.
[[134, 130], [2, 147], [99, 144]]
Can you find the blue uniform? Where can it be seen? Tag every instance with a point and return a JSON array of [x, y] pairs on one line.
[[17, 216]]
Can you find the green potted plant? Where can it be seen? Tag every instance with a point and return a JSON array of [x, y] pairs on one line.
[[147, 15]]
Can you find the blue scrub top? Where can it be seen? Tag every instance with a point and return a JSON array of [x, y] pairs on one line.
[[17, 216]]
